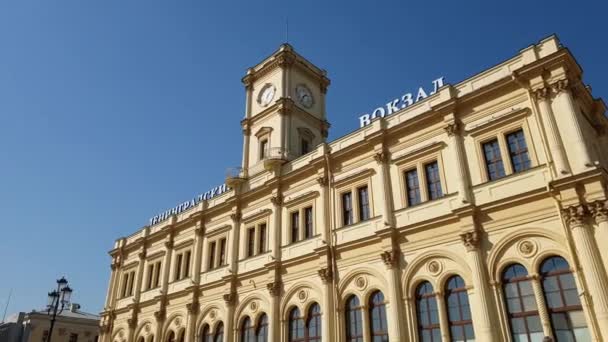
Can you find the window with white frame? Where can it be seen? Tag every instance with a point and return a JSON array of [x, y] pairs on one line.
[[128, 280], [355, 203], [153, 274], [423, 181]]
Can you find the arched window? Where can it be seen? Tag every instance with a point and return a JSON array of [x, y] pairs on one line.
[[296, 326], [219, 333], [261, 334], [561, 295], [426, 312], [247, 333], [459, 310], [150, 338], [353, 323], [206, 334], [171, 336], [313, 323], [521, 304], [141, 339], [181, 336], [377, 318]]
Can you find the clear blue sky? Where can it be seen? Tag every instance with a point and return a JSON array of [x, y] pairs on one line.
[[111, 111]]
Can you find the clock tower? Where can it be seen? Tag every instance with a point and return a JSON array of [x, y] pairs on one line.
[[285, 114]]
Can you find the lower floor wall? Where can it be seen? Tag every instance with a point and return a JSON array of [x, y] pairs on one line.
[[518, 283]]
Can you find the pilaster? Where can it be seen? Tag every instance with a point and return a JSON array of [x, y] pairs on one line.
[[382, 157], [599, 211], [576, 217], [454, 131]]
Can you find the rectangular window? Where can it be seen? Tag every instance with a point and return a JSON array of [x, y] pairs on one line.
[[433, 182], [494, 166], [222, 252], [125, 283], [187, 264], [131, 278], [73, 337], [263, 149], [157, 274], [211, 264], [250, 241], [262, 237], [308, 229], [150, 276], [518, 151], [295, 226], [347, 208], [363, 203], [412, 187], [305, 146], [178, 266]]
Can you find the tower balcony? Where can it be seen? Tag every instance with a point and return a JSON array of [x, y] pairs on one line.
[[275, 156], [235, 176]]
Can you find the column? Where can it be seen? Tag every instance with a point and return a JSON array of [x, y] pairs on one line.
[[112, 285], [328, 308], [382, 158], [229, 331], [443, 316], [167, 264], [274, 316], [590, 261], [199, 233], [481, 301], [193, 310], [395, 309], [233, 243], [463, 184], [246, 140], [543, 98], [599, 210], [365, 320], [275, 233], [322, 212], [140, 273], [542, 306], [565, 108]]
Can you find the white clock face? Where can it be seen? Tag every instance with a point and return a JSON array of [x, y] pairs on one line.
[[304, 96], [266, 94]]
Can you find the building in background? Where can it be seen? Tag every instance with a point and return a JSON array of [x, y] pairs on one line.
[[473, 211], [72, 325]]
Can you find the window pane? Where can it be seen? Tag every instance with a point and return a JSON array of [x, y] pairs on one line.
[[347, 208], [363, 203], [433, 181], [308, 222], [494, 165], [518, 151], [295, 226], [412, 187]]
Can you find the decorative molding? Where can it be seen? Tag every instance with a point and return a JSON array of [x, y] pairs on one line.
[[575, 215], [527, 248], [132, 322], [253, 306], [561, 85], [361, 282], [325, 274], [390, 258], [193, 308], [434, 267], [263, 131], [302, 295], [599, 211], [470, 240], [256, 216], [160, 314]]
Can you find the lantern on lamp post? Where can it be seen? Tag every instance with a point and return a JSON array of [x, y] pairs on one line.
[[57, 301]]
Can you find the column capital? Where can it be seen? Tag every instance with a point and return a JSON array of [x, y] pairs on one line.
[[193, 308], [274, 288], [382, 157], [323, 181], [160, 314], [470, 240], [325, 274], [236, 216], [390, 258], [453, 128], [575, 215], [277, 200], [544, 93], [599, 210], [229, 298], [561, 85]]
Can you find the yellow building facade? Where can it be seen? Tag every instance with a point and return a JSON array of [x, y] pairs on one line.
[[474, 211]]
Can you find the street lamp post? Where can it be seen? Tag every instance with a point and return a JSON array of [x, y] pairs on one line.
[[57, 302]]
